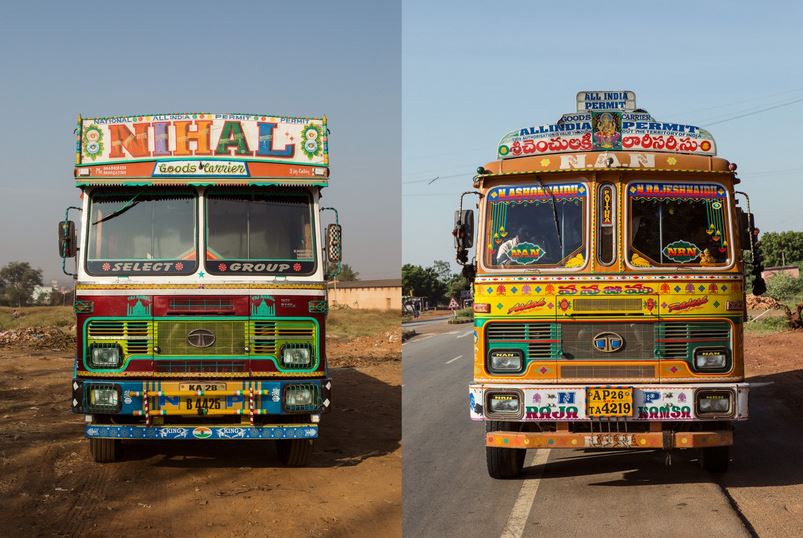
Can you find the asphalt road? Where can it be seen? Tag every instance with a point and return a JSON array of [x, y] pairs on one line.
[[447, 491]]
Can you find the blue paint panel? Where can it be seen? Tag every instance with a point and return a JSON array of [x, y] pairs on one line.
[[270, 402], [301, 431]]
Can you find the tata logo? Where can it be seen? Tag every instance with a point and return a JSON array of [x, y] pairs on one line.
[[200, 338], [608, 342]]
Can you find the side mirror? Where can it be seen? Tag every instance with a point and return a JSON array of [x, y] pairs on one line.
[[463, 229], [67, 241], [745, 228], [334, 243], [759, 286]]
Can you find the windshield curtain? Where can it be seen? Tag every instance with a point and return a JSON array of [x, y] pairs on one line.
[[259, 232], [674, 224], [142, 232], [524, 228]]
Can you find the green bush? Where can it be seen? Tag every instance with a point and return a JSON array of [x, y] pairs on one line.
[[783, 286]]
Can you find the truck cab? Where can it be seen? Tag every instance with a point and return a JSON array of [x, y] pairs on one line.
[[609, 287], [200, 266]]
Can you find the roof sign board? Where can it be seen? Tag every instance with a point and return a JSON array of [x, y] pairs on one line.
[[606, 121], [201, 145]]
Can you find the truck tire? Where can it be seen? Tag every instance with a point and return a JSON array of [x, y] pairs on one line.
[[715, 459], [294, 452], [504, 463], [103, 450]]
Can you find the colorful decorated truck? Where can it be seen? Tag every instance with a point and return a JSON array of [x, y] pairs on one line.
[[200, 271], [609, 287]]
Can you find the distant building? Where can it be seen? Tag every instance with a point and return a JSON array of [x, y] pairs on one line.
[[41, 294], [791, 270], [367, 294]]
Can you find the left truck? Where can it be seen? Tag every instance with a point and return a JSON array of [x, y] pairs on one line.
[[201, 265]]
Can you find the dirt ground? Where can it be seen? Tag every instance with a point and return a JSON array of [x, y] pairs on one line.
[[50, 486]]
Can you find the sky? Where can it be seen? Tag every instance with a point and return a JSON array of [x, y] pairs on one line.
[[61, 59], [473, 71]]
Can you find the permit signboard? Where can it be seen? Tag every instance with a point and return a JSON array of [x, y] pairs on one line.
[[606, 121], [201, 145]]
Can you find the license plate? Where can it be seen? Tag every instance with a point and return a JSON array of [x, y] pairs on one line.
[[206, 387], [200, 404], [609, 402]]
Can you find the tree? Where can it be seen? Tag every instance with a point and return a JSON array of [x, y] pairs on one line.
[[781, 248], [19, 280], [347, 274], [423, 282], [457, 283]]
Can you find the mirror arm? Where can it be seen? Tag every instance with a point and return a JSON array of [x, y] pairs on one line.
[[759, 286]]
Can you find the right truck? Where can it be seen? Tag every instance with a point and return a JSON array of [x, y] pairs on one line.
[[609, 285]]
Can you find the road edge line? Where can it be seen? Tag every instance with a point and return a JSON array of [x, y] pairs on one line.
[[517, 521]]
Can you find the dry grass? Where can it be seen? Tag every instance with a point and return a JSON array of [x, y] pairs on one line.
[[35, 316], [348, 324]]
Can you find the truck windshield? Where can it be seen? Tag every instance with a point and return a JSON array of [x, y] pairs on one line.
[[141, 232], [678, 224], [524, 228], [267, 232]]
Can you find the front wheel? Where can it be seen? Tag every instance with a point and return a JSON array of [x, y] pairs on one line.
[[715, 459], [294, 452], [103, 450], [504, 463]]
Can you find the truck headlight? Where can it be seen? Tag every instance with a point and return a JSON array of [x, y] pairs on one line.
[[505, 360], [714, 402], [103, 398], [105, 356], [710, 359], [295, 357], [507, 404]]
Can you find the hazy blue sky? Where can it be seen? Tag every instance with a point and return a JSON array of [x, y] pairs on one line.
[[59, 59], [473, 71]]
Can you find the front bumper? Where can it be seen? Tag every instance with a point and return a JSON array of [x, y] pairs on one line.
[[173, 398], [567, 403], [278, 431], [665, 440]]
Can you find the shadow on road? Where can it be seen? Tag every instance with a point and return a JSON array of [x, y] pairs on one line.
[[766, 448], [365, 422]]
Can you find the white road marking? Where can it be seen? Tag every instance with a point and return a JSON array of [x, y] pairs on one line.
[[466, 334], [517, 520], [451, 332], [450, 361], [418, 338]]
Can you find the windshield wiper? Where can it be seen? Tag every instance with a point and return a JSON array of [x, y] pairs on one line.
[[120, 210], [554, 210]]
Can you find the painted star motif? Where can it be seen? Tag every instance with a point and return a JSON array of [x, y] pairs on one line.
[[201, 274], [544, 163]]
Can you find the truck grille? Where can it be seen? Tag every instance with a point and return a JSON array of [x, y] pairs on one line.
[[171, 337], [269, 336], [673, 339], [608, 372], [609, 304], [541, 338], [134, 337], [667, 340], [578, 340]]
